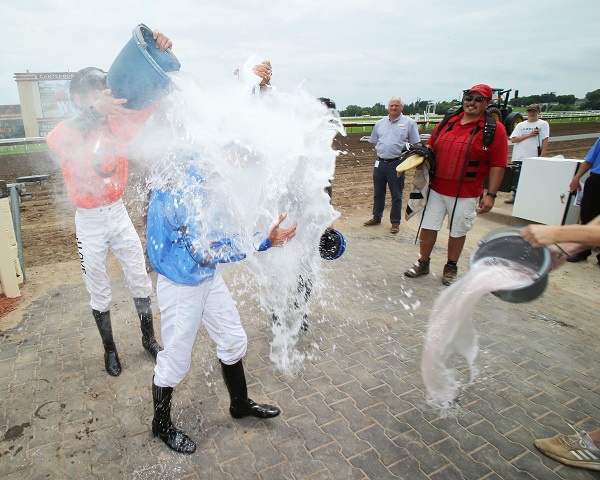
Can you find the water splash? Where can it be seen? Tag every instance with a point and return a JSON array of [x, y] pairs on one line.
[[450, 329], [259, 157]]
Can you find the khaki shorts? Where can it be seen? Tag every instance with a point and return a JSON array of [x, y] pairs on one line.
[[438, 206]]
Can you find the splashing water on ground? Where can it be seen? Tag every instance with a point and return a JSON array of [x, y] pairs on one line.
[[450, 329], [259, 157]]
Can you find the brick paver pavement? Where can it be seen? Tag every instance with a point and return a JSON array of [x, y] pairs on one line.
[[356, 411]]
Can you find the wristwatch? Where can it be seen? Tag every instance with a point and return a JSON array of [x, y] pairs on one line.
[[493, 195]]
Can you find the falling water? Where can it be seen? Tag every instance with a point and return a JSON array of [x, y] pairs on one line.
[[450, 328], [259, 156]]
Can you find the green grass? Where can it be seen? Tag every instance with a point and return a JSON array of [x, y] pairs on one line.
[[15, 149]]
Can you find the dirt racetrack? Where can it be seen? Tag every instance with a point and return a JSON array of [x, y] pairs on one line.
[[48, 218]]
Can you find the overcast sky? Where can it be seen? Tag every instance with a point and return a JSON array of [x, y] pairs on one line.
[[354, 51]]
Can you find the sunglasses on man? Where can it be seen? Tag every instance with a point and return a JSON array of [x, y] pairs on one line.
[[470, 98]]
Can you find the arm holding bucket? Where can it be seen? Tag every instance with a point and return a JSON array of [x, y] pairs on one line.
[[107, 105], [162, 41], [264, 71], [572, 238]]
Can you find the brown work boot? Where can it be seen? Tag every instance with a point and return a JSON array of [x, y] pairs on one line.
[[419, 268], [395, 228], [370, 223], [449, 275]]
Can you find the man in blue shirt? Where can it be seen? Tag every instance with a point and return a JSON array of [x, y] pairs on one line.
[[390, 136], [590, 202]]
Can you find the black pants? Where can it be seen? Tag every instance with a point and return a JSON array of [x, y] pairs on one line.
[[590, 203]]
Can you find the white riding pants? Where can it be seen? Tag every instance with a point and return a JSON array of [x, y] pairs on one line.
[[182, 308], [107, 228]]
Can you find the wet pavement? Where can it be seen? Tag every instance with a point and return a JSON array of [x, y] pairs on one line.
[[356, 411]]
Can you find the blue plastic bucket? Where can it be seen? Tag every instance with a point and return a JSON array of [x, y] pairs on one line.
[[139, 73]]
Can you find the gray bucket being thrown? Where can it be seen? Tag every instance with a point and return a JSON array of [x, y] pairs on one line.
[[505, 244], [139, 73]]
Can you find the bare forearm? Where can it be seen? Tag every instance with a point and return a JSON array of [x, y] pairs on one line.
[[495, 179], [572, 238], [544, 147]]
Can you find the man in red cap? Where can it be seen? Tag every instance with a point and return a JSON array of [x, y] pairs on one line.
[[464, 158]]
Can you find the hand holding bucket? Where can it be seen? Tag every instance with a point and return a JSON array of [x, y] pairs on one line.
[[139, 73], [505, 245]]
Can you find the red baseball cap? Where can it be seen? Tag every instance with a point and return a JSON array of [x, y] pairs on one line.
[[485, 90]]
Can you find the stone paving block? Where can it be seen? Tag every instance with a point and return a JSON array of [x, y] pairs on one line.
[[307, 373], [357, 420], [507, 448], [44, 463], [349, 442], [301, 388], [391, 387], [429, 434], [525, 437], [369, 462], [575, 388], [76, 463], [389, 452], [338, 466], [15, 458], [360, 397], [304, 465], [289, 404], [564, 371], [367, 379], [548, 403], [131, 421], [336, 375], [277, 473], [313, 436], [265, 455], [280, 431], [316, 405], [429, 459], [529, 462], [448, 473], [408, 468], [539, 425], [370, 364], [332, 395], [25, 372], [502, 423], [387, 420], [490, 457], [467, 440], [454, 452], [553, 422]]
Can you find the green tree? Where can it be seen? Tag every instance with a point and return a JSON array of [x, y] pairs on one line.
[[352, 111], [562, 107], [566, 99], [378, 110], [592, 100]]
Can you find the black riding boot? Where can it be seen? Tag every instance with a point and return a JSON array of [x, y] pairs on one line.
[[241, 405], [162, 426], [111, 357], [144, 310]]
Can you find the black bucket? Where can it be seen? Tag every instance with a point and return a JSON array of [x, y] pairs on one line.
[[139, 73], [507, 244]]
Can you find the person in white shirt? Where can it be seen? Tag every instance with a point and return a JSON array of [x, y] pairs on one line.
[[530, 138]]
